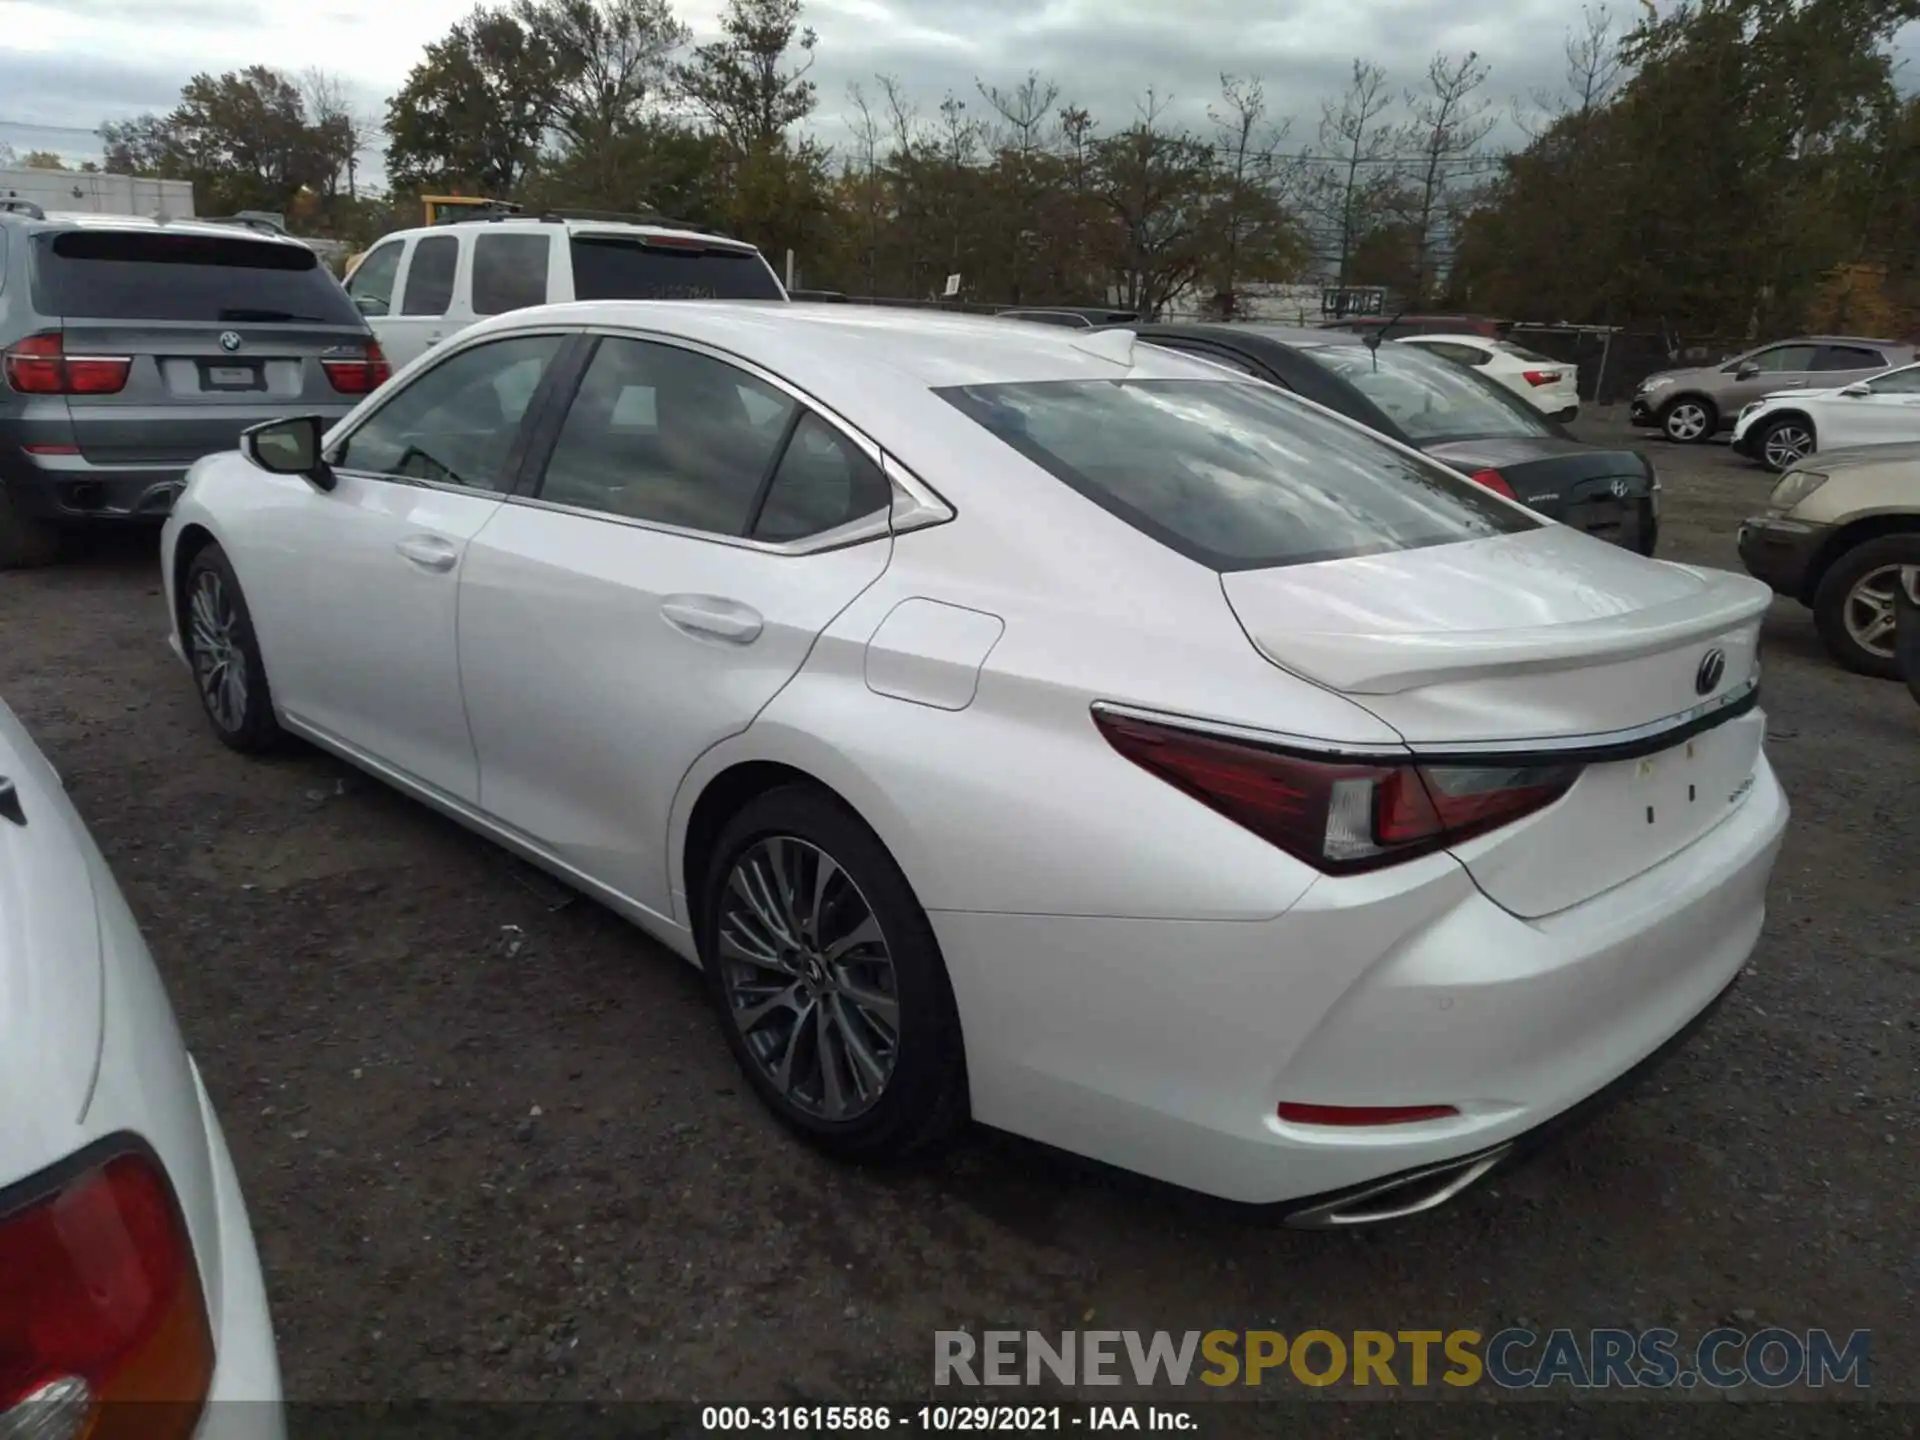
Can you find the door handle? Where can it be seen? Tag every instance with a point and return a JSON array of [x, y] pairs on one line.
[[428, 551], [714, 616]]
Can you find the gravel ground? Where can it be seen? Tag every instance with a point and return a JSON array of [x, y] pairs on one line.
[[495, 1148]]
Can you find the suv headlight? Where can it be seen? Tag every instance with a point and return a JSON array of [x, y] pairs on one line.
[[1794, 488], [1648, 386]]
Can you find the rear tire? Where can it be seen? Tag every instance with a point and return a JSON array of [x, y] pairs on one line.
[[854, 1044], [26, 541], [1853, 604], [1784, 442], [1689, 420], [224, 654]]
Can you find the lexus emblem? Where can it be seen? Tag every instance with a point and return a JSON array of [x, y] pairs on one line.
[[229, 340], [1619, 488], [1713, 667]]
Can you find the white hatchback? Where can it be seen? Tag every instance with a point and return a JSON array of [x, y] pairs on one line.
[[1024, 722], [1550, 386], [131, 1302]]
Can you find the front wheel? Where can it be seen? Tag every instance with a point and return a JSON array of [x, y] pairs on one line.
[[1688, 420], [224, 653], [1784, 443], [829, 981], [1853, 608]]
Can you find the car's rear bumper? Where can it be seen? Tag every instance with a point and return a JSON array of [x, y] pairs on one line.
[[66, 487], [1780, 553], [1165, 1047]]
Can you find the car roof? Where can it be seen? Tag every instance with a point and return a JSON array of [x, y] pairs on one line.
[[510, 223], [145, 224], [929, 348], [1489, 341]]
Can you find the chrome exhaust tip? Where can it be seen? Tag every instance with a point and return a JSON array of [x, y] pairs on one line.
[[1400, 1196]]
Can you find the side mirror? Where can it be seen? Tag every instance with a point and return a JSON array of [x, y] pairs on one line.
[[289, 447], [1858, 391], [1746, 371]]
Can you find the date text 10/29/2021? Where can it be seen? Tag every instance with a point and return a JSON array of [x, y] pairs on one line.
[[997, 1419]]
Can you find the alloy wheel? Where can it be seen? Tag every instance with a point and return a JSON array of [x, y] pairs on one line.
[[219, 661], [1787, 445], [1687, 421], [808, 978], [1868, 611]]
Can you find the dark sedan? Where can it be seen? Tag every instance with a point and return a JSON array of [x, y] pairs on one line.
[[1450, 413]]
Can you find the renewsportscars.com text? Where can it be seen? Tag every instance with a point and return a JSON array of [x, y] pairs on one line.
[[1514, 1358]]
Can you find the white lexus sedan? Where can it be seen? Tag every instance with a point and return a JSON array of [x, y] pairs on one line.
[[1025, 724], [131, 1303]]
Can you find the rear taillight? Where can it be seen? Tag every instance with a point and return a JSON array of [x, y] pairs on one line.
[[1540, 377], [39, 365], [362, 374], [1494, 481], [1338, 816], [103, 1328]]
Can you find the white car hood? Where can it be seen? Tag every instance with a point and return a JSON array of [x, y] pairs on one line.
[[52, 983], [1826, 392]]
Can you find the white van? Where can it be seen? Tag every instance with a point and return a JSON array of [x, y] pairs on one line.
[[417, 287]]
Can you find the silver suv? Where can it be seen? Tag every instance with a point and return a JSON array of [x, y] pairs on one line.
[[129, 348], [1696, 404]]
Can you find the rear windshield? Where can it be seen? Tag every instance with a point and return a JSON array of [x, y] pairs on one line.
[[218, 279], [1520, 352], [1430, 398], [615, 268], [1237, 476]]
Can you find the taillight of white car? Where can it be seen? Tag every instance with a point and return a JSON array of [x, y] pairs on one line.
[[1338, 816], [103, 1326]]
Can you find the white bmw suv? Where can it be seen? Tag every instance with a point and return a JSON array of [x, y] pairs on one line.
[[130, 1291]]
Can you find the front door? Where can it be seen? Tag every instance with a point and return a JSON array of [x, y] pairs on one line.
[[693, 530], [1780, 367], [358, 622], [1889, 414]]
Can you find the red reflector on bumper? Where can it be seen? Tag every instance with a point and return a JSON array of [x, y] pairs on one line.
[[1348, 1115]]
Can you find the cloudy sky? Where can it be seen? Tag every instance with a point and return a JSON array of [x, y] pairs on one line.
[[67, 65]]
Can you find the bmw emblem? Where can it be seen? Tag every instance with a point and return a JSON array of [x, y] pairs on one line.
[[229, 340], [1619, 488], [1713, 668]]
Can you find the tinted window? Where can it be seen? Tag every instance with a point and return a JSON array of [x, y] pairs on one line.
[[1898, 382], [1218, 357], [429, 289], [1429, 398], [509, 272], [1459, 354], [1520, 352], [667, 435], [139, 275], [1234, 475], [1848, 357], [1785, 357], [614, 268], [456, 422], [823, 481], [371, 284]]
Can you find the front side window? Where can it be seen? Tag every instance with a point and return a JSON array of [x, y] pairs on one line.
[[1234, 475], [429, 289], [509, 272], [1897, 382], [371, 284], [669, 436], [1428, 398], [1784, 358], [457, 422]]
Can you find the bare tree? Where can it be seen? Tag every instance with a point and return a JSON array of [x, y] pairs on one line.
[[868, 183], [1022, 173], [1247, 146], [1450, 120], [1594, 72], [1354, 179], [343, 126]]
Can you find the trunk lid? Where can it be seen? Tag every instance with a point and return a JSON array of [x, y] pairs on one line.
[[1605, 493], [1525, 640], [51, 980]]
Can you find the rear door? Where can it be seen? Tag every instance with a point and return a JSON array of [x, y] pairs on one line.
[[695, 528], [218, 331]]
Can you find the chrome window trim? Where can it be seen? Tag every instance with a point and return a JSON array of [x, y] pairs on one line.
[[1596, 745]]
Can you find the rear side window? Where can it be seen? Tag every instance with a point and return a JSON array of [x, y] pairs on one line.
[[1235, 476], [823, 481], [1520, 352], [1848, 357], [609, 267], [509, 272], [215, 279], [429, 286]]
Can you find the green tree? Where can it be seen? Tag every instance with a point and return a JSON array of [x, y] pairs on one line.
[[749, 85], [42, 160], [613, 62], [476, 107]]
